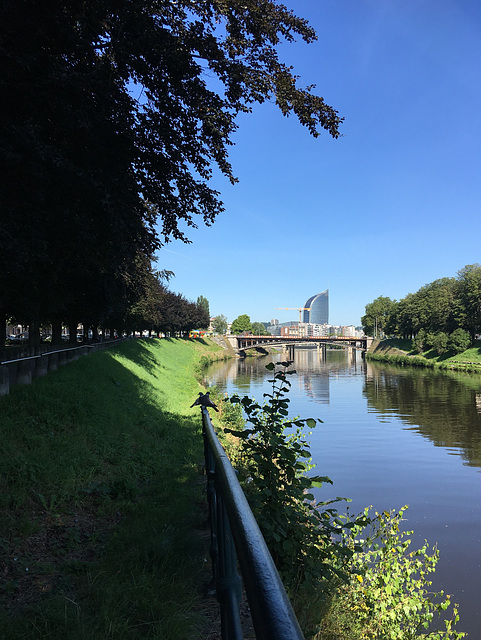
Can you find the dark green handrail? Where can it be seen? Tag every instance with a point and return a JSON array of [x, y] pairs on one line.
[[235, 535]]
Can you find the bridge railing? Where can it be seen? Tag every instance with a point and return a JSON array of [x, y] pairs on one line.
[[236, 539]]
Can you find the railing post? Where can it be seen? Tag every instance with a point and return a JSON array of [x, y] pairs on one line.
[[226, 582], [4, 381], [236, 535], [212, 502]]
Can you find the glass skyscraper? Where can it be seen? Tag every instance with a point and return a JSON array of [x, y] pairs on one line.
[[319, 309]]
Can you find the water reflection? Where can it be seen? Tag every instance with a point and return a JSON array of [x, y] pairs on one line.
[[314, 370], [239, 375], [442, 406], [478, 402], [392, 436]]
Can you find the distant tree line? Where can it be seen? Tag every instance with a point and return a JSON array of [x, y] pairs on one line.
[[445, 314], [243, 324], [219, 324], [160, 310]]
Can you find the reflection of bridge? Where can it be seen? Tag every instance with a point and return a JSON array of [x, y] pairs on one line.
[[242, 343]]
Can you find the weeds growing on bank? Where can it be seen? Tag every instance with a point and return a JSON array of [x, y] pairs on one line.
[[100, 498]]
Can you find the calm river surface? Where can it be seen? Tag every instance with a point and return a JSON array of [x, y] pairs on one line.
[[392, 436]]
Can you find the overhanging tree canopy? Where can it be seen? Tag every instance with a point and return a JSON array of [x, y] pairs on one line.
[[113, 114]]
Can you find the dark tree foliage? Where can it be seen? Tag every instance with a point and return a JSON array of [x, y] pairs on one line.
[[469, 295], [113, 114], [179, 316], [204, 303]]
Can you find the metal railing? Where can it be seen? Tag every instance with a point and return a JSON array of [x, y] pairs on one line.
[[236, 538]]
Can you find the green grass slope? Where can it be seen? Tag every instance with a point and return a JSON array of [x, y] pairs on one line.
[[101, 499], [400, 351]]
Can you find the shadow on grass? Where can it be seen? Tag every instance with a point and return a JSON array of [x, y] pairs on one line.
[[138, 351], [432, 354], [201, 341], [108, 485]]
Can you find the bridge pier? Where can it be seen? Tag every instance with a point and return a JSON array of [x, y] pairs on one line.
[[321, 351], [288, 351]]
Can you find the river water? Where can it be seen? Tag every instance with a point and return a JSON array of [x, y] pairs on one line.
[[392, 436]]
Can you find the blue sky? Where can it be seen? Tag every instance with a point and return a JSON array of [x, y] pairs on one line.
[[392, 205]]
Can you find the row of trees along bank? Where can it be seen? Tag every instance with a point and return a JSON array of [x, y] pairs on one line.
[[111, 125], [156, 310], [445, 314]]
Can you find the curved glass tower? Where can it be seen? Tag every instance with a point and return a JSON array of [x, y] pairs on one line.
[[319, 309]]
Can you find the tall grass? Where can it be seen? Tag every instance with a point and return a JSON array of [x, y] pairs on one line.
[[100, 498]]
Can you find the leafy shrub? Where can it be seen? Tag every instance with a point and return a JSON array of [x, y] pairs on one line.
[[388, 597], [231, 414], [430, 340], [440, 342], [459, 340], [419, 342]]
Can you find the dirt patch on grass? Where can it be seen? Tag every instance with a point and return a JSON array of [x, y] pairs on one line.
[[60, 547]]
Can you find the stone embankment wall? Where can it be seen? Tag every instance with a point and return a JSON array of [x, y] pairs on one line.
[[23, 370], [223, 342]]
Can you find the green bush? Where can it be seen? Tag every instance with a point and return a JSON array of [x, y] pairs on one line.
[[440, 342], [459, 340], [419, 342], [388, 597]]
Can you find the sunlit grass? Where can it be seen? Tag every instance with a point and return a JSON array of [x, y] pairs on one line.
[[398, 346], [101, 499], [473, 354]]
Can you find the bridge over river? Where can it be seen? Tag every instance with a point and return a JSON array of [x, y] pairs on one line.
[[243, 343]]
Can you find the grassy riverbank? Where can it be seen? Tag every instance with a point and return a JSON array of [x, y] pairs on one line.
[[398, 351], [100, 498]]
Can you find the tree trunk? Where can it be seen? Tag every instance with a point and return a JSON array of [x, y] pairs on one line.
[[72, 329], [34, 337], [56, 332], [3, 325]]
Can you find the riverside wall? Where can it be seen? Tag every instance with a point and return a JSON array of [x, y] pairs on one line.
[[25, 369]]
